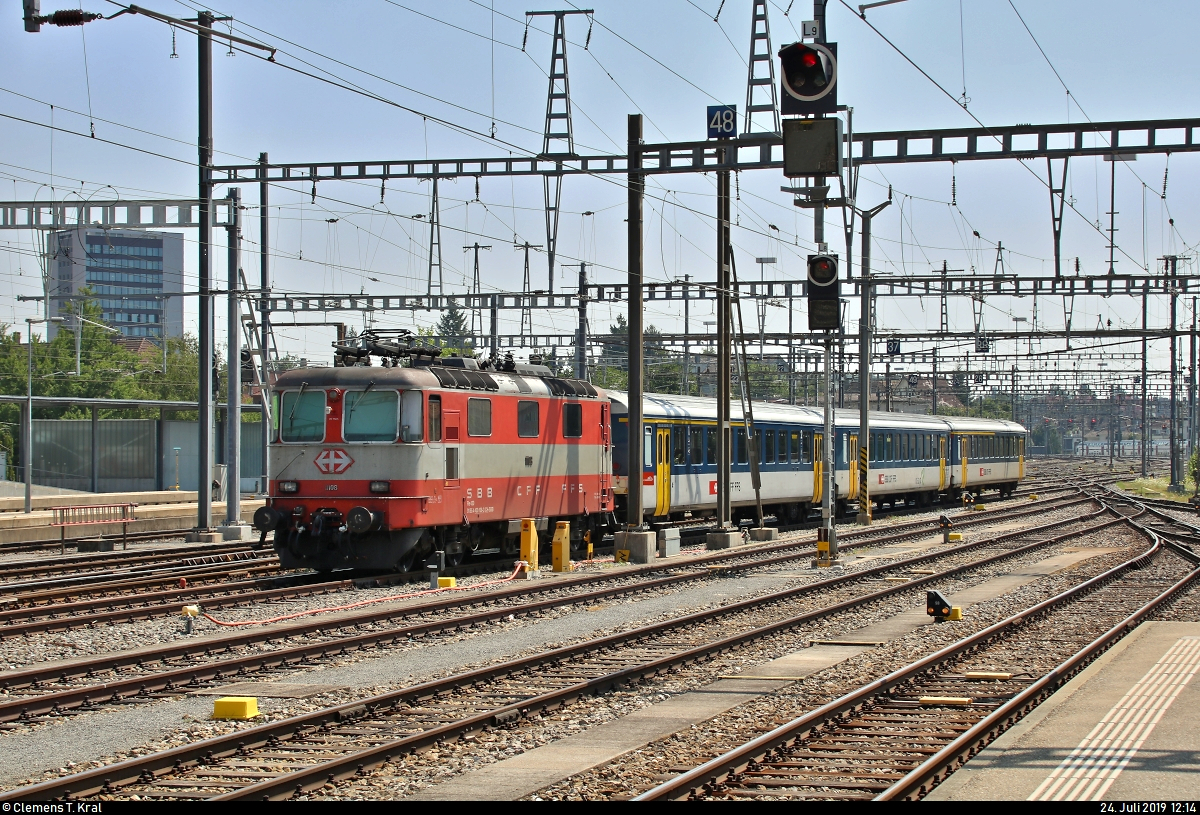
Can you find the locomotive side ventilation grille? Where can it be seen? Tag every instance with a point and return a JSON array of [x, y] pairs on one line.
[[460, 378], [569, 387]]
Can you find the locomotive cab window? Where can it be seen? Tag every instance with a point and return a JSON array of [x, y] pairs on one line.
[[410, 416], [303, 415], [572, 420], [527, 419], [370, 415]]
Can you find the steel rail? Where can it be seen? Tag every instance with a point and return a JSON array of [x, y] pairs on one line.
[[107, 779], [100, 560], [29, 620], [192, 675], [737, 760], [917, 783], [312, 777], [156, 572]]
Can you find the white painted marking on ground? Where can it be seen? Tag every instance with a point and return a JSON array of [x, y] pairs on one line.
[[1092, 767]]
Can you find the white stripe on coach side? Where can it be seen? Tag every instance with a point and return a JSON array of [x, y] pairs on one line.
[[1093, 766]]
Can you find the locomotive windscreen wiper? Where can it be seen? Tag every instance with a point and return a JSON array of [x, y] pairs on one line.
[[296, 404], [358, 401]]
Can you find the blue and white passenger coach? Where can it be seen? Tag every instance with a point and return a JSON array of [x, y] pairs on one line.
[[913, 457]]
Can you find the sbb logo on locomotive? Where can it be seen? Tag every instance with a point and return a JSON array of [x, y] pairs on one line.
[[333, 461]]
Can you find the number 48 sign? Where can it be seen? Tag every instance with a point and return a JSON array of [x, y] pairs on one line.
[[722, 121]]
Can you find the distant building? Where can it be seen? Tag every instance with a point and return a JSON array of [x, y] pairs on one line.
[[132, 273]]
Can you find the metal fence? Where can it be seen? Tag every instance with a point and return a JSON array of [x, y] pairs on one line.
[[132, 455]]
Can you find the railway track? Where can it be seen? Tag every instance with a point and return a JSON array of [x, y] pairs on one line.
[[898, 736], [56, 610], [106, 564], [278, 759]]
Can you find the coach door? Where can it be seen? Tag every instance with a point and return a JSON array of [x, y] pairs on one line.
[[662, 472], [450, 420], [605, 452], [941, 462], [852, 464], [818, 466]]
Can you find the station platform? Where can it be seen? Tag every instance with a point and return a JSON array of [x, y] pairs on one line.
[[158, 511], [1125, 729]]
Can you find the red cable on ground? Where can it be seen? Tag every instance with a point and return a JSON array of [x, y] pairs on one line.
[[520, 565]]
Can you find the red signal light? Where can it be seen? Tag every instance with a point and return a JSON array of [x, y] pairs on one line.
[[809, 59]]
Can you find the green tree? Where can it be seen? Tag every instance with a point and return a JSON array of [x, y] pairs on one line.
[[452, 328], [104, 368]]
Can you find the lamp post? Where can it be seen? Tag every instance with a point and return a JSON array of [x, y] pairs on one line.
[[27, 442]]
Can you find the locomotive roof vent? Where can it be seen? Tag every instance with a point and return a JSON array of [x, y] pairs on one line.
[[461, 362]]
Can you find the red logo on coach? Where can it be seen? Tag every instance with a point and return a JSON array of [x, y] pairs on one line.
[[333, 462]]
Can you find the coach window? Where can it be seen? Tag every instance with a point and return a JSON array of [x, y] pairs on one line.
[[794, 447], [696, 445], [527, 419], [807, 448], [713, 437], [572, 420], [679, 445], [303, 415], [768, 446], [435, 418], [370, 415], [648, 446], [410, 415], [888, 447], [739, 444]]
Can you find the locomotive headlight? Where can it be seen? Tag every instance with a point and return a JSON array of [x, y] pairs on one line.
[[381, 486], [288, 486]]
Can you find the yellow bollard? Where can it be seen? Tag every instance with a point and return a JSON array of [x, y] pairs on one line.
[[560, 548], [529, 544]]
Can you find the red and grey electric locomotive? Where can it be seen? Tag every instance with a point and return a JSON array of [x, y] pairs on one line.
[[380, 466]]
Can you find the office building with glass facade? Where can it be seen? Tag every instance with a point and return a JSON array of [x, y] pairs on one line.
[[131, 273]]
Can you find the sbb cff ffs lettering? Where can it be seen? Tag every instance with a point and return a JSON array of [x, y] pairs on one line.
[[824, 290]]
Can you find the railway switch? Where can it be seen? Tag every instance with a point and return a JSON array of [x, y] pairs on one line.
[[560, 548]]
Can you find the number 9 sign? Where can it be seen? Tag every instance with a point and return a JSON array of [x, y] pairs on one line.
[[722, 121]]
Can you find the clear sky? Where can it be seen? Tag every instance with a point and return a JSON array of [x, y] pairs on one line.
[[463, 61]]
